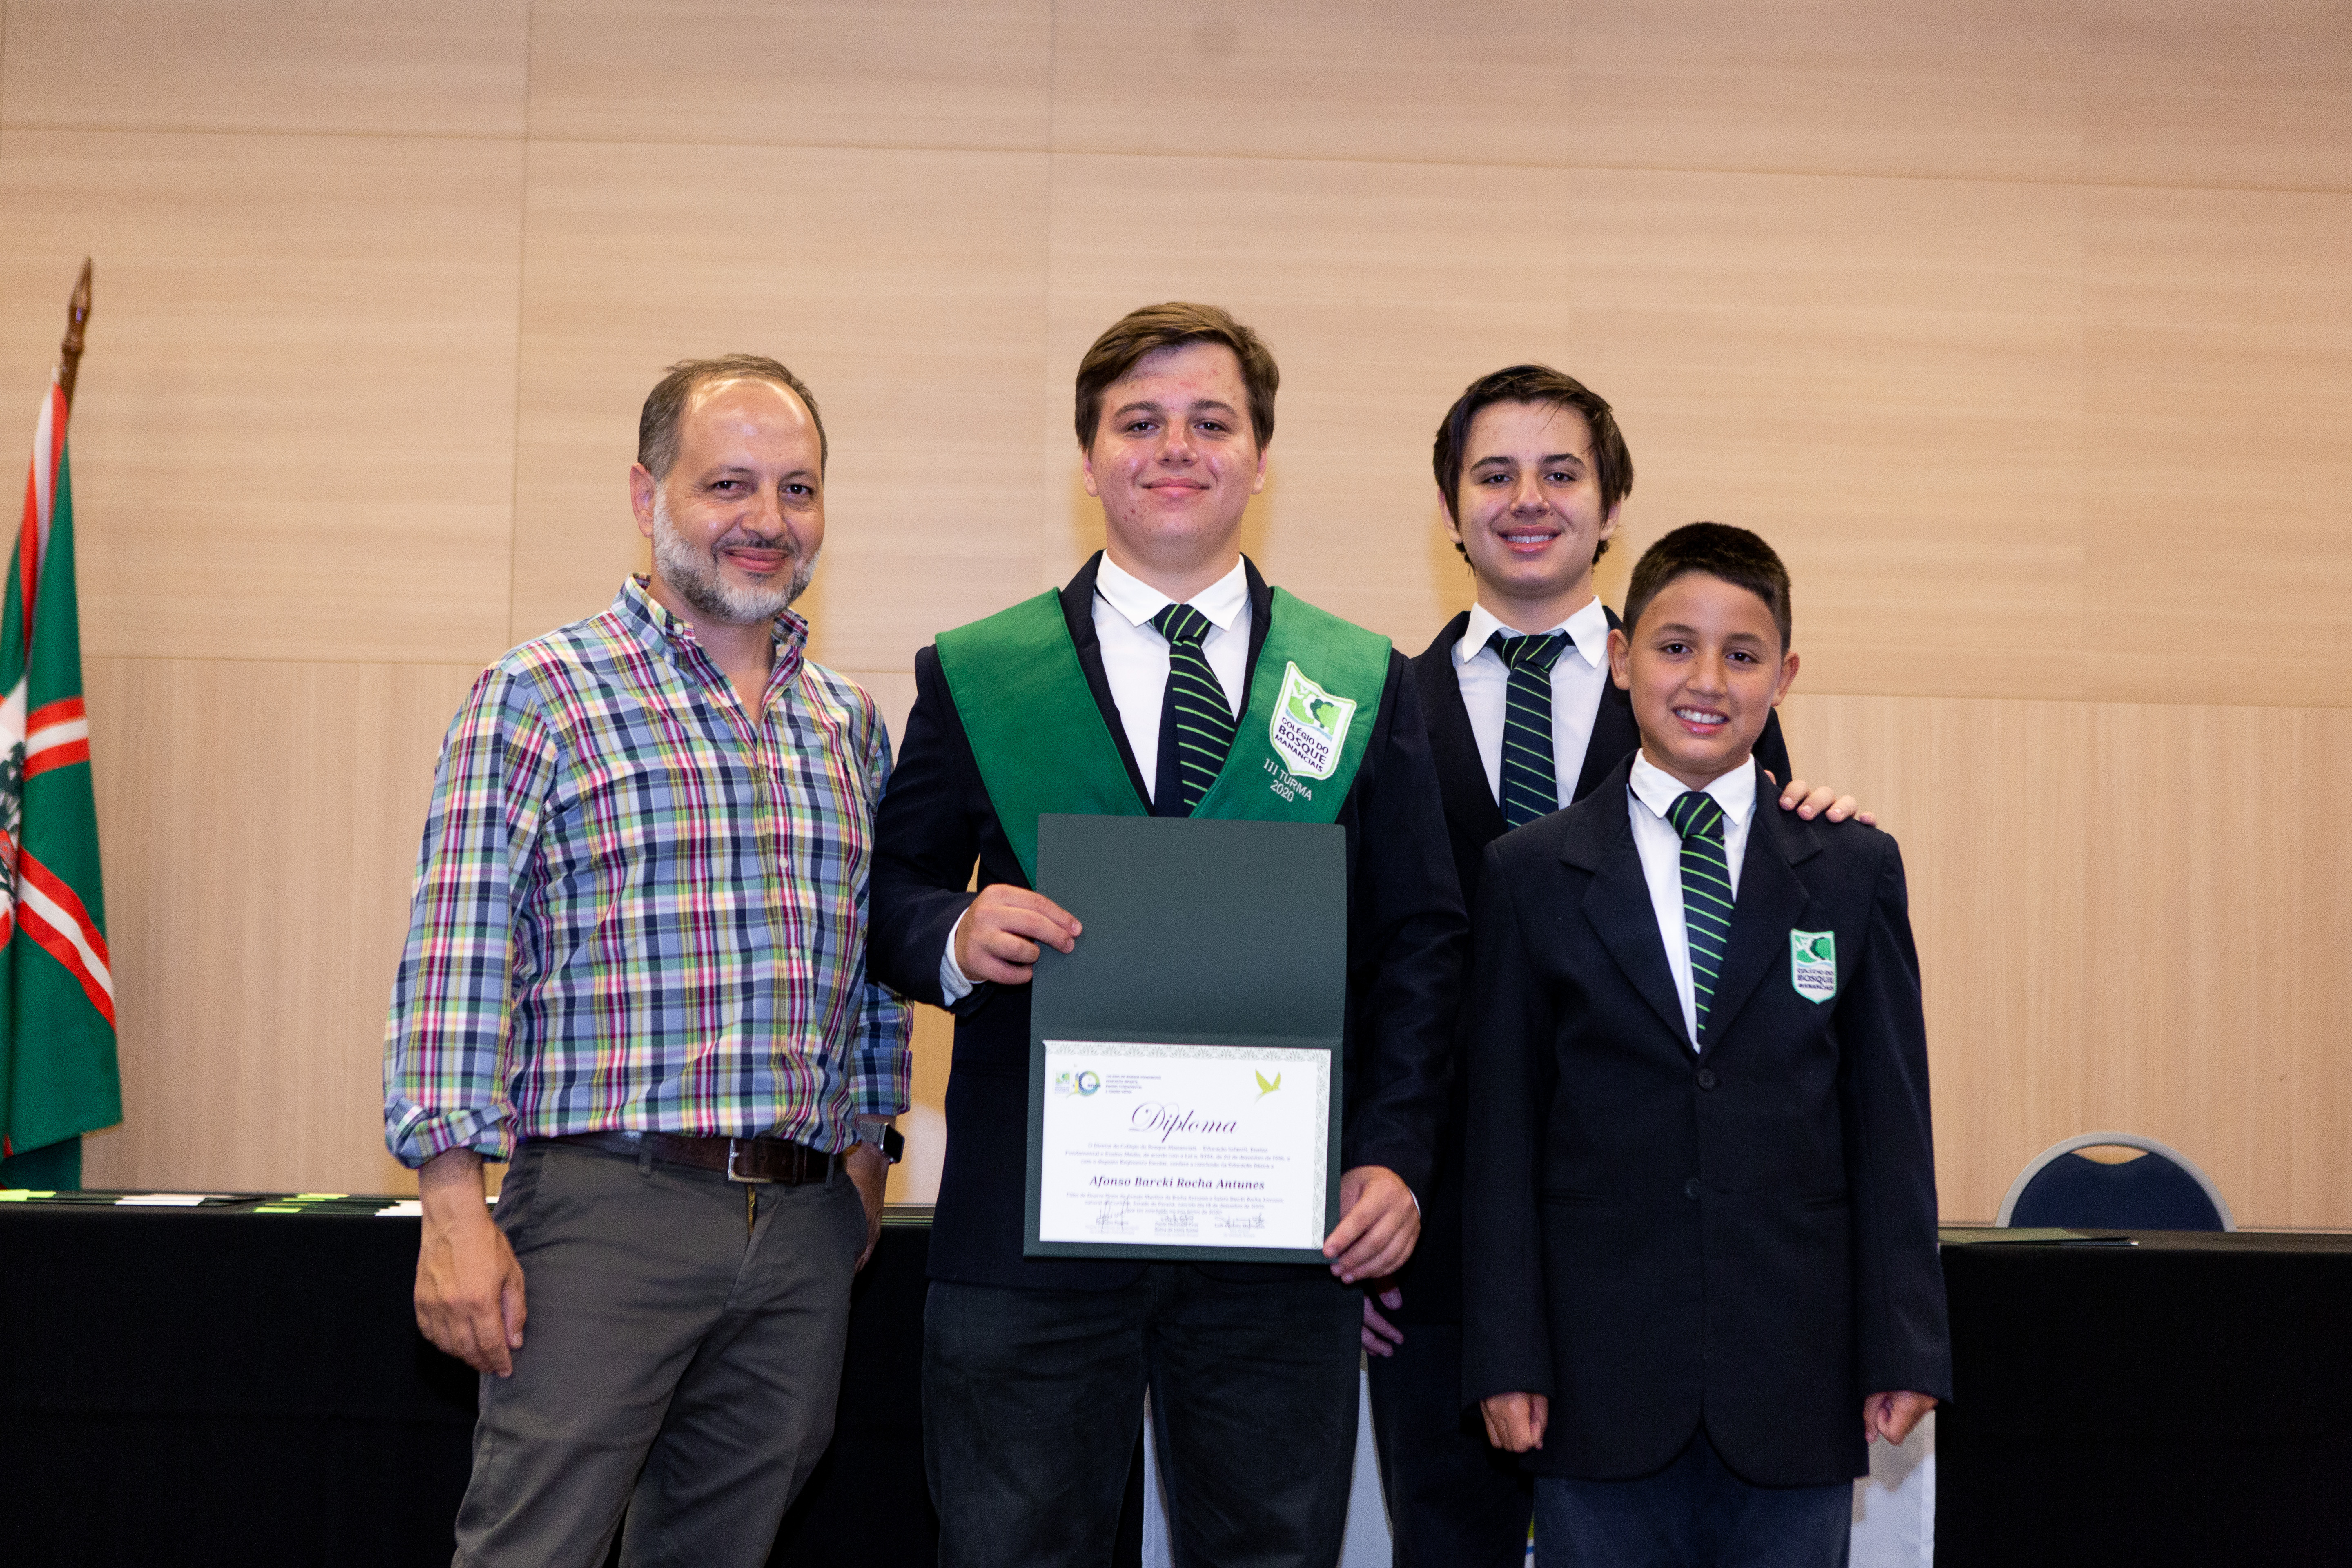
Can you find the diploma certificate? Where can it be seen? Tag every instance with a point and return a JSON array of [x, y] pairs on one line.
[[1185, 1058], [1184, 1145]]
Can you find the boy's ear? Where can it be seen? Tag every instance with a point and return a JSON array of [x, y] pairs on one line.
[[1787, 677], [1621, 661]]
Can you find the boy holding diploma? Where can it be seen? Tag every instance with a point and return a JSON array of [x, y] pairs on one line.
[[1699, 1121]]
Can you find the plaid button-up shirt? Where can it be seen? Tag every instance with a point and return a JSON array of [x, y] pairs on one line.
[[638, 909]]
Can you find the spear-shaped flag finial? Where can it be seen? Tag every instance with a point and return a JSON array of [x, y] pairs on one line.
[[76, 316]]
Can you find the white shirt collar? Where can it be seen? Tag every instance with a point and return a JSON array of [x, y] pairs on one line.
[[1658, 789], [1588, 628], [1139, 601]]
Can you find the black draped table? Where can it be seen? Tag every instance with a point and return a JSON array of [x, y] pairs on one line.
[[2186, 1399], [217, 1386], [221, 1385]]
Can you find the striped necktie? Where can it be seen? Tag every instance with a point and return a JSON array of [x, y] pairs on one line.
[[1530, 777], [1204, 726], [1706, 893]]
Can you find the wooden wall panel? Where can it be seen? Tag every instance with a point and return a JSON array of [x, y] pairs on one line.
[[1992, 88], [1884, 377], [296, 427], [903, 73], [423, 67], [2218, 352], [918, 355], [1391, 82], [2218, 1003], [2218, 93], [260, 823], [2130, 917], [1984, 89]]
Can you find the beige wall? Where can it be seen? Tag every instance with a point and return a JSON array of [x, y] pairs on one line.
[[2024, 329]]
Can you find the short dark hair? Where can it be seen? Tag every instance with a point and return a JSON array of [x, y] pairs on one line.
[[666, 403], [1612, 465], [1151, 328], [1740, 558]]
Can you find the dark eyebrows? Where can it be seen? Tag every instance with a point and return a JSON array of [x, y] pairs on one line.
[[1146, 405], [743, 471], [1691, 634], [1553, 461]]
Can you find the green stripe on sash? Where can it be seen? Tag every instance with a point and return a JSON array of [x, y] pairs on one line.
[[1043, 744], [1034, 727]]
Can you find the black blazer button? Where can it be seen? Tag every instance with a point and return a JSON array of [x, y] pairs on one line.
[[1690, 1188], [1706, 1077]]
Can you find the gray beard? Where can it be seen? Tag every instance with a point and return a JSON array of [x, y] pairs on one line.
[[697, 578]]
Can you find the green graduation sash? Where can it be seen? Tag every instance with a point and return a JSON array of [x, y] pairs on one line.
[[1043, 744]]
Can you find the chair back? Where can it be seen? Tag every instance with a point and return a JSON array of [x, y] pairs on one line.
[[2162, 1190]]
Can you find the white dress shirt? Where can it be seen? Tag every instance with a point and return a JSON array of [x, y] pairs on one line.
[[1652, 790], [1577, 676], [1135, 665]]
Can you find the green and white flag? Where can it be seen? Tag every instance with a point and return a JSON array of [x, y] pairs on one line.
[[57, 1075]]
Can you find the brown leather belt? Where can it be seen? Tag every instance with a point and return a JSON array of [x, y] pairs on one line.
[[775, 1159]]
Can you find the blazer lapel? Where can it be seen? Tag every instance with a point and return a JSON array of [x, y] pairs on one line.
[[1618, 901], [1078, 612], [1616, 736], [1461, 778], [1770, 903]]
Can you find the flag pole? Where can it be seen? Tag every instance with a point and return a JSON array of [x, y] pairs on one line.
[[69, 351]]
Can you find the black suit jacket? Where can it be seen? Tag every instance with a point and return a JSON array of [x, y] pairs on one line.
[[1433, 1280], [1406, 942], [1745, 1236]]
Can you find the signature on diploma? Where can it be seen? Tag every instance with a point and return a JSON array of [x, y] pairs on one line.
[[1168, 1120]]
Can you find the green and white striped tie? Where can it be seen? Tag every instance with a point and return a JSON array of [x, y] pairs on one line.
[[1706, 893], [1530, 776], [1204, 725]]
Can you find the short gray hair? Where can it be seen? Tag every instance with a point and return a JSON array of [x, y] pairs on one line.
[[666, 403]]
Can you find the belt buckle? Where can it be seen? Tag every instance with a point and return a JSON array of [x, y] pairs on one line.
[[735, 1146]]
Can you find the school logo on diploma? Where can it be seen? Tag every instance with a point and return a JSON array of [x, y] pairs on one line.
[[1309, 727], [1812, 964]]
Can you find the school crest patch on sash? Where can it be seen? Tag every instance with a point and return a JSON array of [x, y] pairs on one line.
[[1310, 726]]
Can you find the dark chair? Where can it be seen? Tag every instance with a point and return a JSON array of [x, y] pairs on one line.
[[2161, 1190]]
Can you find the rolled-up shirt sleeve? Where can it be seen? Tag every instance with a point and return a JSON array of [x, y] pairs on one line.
[[881, 1076], [446, 1045]]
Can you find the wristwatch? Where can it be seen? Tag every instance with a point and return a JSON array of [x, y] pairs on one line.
[[878, 1130]]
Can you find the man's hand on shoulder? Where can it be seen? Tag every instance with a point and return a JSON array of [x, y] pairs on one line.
[[869, 1168], [998, 937], [1516, 1422], [1892, 1416], [1378, 1223], [470, 1298], [1809, 801]]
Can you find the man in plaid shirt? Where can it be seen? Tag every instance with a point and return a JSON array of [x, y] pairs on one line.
[[635, 968]]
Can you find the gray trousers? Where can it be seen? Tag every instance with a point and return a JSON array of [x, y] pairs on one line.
[[679, 1359]]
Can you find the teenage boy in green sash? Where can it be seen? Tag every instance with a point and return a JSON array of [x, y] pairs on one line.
[[1165, 678]]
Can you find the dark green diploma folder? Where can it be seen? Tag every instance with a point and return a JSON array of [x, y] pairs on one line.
[[1196, 933]]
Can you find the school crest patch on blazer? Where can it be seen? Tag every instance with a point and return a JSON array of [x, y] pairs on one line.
[[1812, 964]]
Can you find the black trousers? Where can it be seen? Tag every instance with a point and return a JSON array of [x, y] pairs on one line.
[[1031, 1401], [1452, 1499]]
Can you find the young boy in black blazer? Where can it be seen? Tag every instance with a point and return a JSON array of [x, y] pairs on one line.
[[1699, 1121]]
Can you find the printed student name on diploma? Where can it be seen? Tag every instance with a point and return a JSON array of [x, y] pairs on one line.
[[1184, 1145]]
